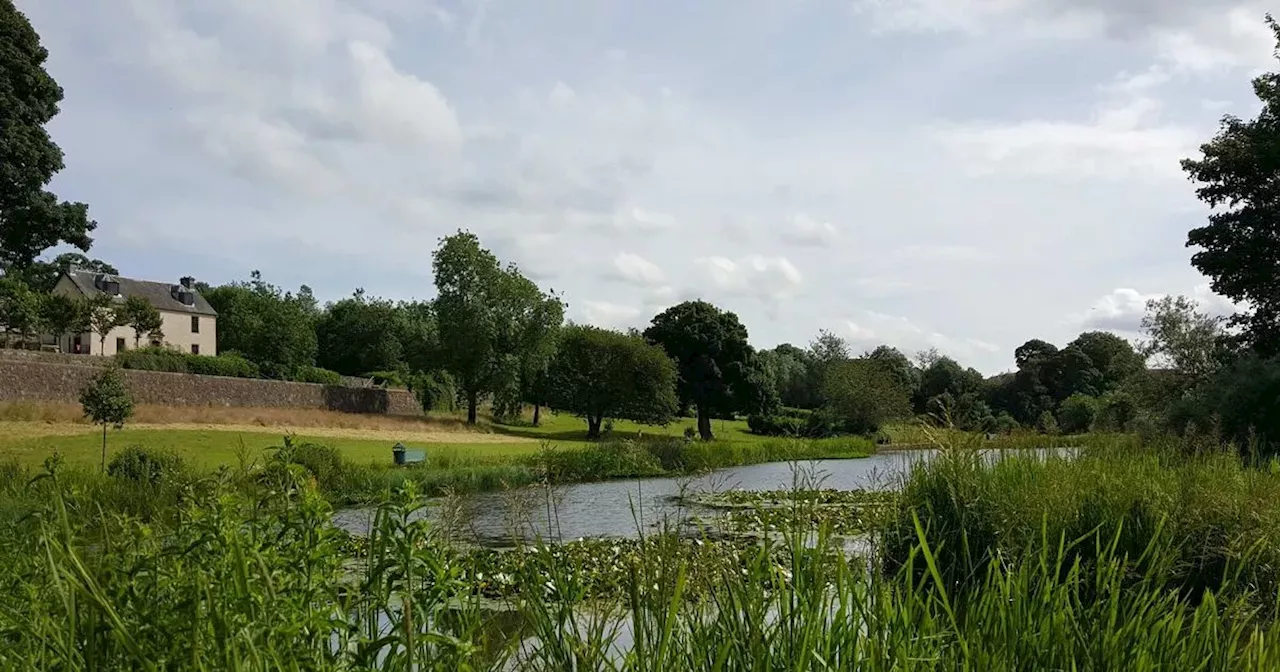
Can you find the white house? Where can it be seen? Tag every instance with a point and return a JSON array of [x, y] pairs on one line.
[[190, 324]]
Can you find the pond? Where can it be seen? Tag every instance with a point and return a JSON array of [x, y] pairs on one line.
[[628, 508]]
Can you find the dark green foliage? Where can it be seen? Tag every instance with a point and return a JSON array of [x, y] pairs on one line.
[[359, 334], [315, 374], [1046, 423], [31, 219], [943, 376], [227, 364], [388, 378], [599, 374], [1113, 357], [322, 462], [146, 467], [43, 276], [1077, 413], [1240, 404], [863, 394], [776, 425], [104, 315], [62, 315], [712, 356], [106, 401], [435, 390], [788, 368], [1116, 410], [1239, 248], [272, 328], [493, 322], [143, 317], [19, 308]]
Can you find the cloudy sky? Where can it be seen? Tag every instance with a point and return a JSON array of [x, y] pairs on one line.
[[965, 174]]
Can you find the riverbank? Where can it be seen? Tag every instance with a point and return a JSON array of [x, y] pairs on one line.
[[1109, 559]]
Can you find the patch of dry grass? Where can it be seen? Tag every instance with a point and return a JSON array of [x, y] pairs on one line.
[[271, 418]]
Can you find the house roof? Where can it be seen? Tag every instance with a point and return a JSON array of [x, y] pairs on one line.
[[155, 292]]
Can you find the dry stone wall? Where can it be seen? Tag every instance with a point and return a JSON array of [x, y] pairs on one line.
[[50, 378]]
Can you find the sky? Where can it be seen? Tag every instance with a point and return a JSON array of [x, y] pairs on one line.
[[958, 174]]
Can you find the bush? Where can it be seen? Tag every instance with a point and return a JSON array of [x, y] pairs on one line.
[[435, 391], [1006, 424], [229, 364], [1047, 424], [315, 374], [387, 378], [321, 461], [140, 465], [1076, 414]]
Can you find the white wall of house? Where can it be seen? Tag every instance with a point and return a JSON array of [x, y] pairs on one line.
[[185, 332]]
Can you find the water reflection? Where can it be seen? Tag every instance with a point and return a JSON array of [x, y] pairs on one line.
[[626, 508]]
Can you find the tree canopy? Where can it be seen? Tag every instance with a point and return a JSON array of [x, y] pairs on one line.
[[864, 393], [599, 374], [712, 355], [31, 218], [272, 328], [1240, 245]]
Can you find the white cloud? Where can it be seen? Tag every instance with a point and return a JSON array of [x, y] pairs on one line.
[[767, 278], [805, 230], [1122, 310], [396, 107], [637, 270], [637, 220], [878, 328], [610, 315]]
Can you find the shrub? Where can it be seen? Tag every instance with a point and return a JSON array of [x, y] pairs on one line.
[[229, 365], [323, 462], [435, 390], [1076, 414], [142, 465], [315, 374], [1006, 424], [1047, 424], [387, 378]]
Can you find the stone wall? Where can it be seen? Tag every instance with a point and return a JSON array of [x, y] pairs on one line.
[[46, 378]]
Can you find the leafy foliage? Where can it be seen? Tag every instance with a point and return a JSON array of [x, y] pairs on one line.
[[712, 355], [1077, 413], [143, 317], [63, 315], [1238, 247], [43, 275], [600, 374], [19, 308], [862, 394], [435, 390], [272, 328], [227, 364], [104, 315], [145, 467], [31, 218], [317, 375], [358, 334]]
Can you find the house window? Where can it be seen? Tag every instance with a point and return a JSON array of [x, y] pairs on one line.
[[195, 324], [195, 348], [119, 345]]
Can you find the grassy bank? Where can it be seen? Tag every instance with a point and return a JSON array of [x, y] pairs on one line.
[[264, 581]]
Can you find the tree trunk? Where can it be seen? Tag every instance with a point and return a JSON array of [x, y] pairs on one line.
[[537, 414], [593, 426], [104, 447], [704, 424], [472, 402]]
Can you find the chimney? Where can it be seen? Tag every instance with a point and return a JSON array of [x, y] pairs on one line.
[[187, 281]]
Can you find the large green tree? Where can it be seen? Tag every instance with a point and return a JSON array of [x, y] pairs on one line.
[[1238, 174], [63, 315], [864, 393], [1187, 342], [788, 367], [712, 355], [1112, 356], [143, 318], [359, 335], [31, 218], [485, 316], [272, 328], [19, 310], [43, 275], [599, 374]]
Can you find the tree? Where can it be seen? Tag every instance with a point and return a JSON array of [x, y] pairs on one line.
[[358, 335], [901, 367], [864, 393], [143, 317], [946, 376], [1071, 371], [487, 317], [1112, 356], [1181, 337], [104, 315], [534, 318], [107, 402], [1034, 350], [599, 374], [19, 309], [272, 328], [1240, 245], [788, 367], [43, 275], [711, 353], [1077, 413], [64, 315], [31, 218]]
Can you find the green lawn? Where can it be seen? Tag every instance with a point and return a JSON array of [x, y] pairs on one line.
[[211, 448], [563, 427]]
